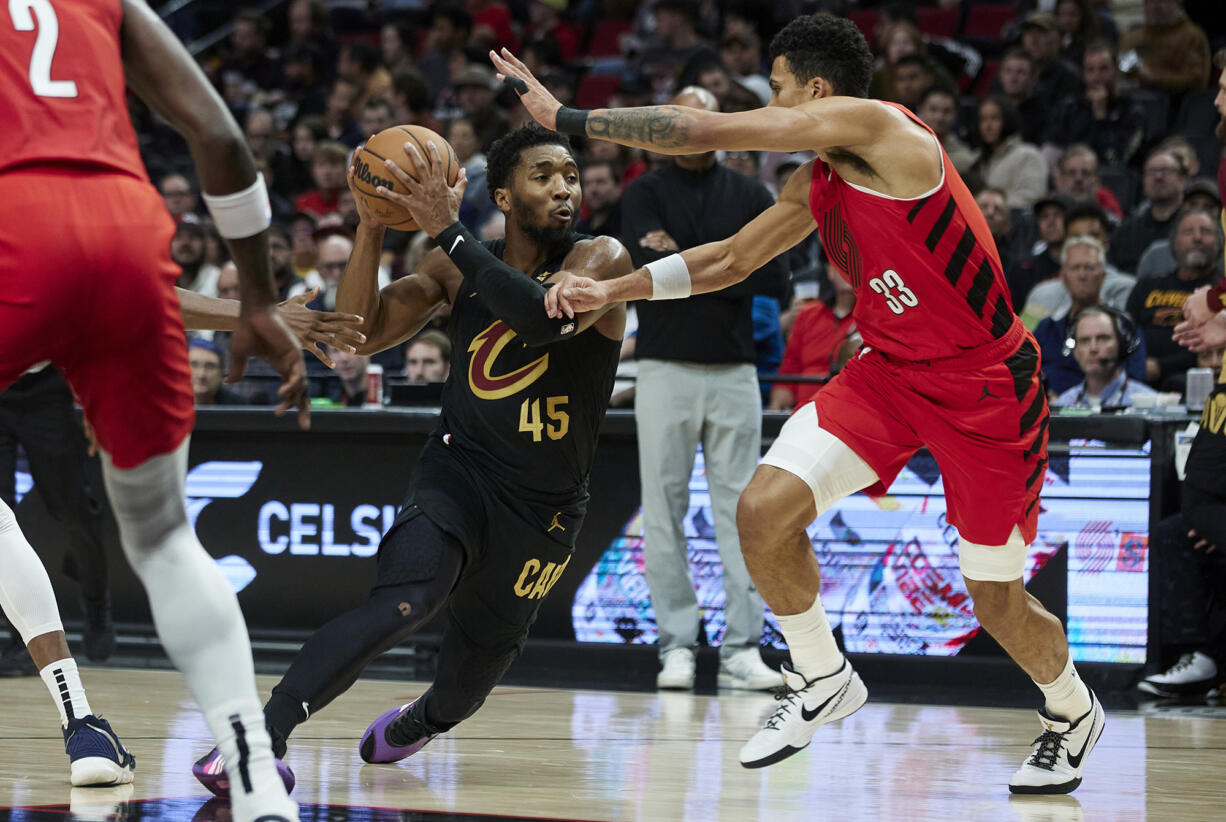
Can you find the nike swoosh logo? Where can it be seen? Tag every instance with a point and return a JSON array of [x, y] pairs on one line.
[[809, 716], [458, 240], [1075, 761]]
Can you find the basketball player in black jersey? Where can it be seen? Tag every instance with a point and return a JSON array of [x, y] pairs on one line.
[[500, 490]]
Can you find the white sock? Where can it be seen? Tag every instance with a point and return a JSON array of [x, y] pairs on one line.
[[63, 680], [1067, 697], [814, 652]]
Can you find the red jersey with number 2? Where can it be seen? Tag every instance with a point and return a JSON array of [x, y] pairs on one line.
[[928, 279], [62, 85]]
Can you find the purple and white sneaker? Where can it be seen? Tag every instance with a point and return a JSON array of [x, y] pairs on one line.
[[210, 771], [394, 736]]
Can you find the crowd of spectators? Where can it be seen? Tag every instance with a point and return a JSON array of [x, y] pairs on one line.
[[1066, 118]]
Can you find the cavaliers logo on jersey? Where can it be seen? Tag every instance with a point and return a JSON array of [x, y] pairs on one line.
[[485, 349]]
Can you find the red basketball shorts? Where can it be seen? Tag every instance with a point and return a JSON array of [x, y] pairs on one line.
[[86, 281], [987, 427]]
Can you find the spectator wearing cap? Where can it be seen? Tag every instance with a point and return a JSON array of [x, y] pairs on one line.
[[328, 166], [1156, 304], [1016, 82], [1082, 274], [187, 249], [1163, 183], [1169, 51], [1006, 161], [474, 94], [740, 51], [1041, 39], [1077, 178], [208, 368], [1112, 124], [1014, 238], [1043, 263], [1201, 193], [1051, 298], [938, 108], [178, 194]]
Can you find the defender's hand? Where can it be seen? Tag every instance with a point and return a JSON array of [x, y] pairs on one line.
[[542, 105], [1196, 307], [328, 327], [571, 295], [263, 332], [1201, 337], [433, 204]]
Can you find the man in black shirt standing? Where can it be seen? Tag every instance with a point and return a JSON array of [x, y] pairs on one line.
[[697, 385]]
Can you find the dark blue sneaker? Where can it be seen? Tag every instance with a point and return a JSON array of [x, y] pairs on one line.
[[97, 755]]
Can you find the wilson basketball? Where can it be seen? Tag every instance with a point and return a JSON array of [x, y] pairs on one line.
[[370, 171]]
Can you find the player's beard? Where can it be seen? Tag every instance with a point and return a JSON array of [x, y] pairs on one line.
[[554, 241]]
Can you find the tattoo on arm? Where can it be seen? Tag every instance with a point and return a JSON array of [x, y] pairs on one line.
[[664, 126]]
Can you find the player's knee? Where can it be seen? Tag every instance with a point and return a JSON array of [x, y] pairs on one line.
[[765, 519], [997, 605]]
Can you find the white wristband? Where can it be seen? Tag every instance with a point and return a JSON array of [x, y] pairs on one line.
[[670, 278], [241, 214]]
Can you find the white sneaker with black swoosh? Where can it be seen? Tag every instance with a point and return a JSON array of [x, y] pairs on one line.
[[805, 706], [1055, 764]]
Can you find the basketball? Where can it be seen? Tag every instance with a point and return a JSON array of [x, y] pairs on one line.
[[370, 172]]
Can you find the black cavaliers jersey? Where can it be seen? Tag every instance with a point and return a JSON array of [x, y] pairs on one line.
[[526, 416]]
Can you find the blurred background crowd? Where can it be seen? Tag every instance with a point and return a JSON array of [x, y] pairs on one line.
[[1067, 118]]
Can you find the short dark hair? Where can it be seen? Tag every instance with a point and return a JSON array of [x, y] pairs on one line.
[[409, 84], [1010, 119], [378, 102], [1089, 210], [939, 88], [364, 54], [614, 170], [915, 60], [821, 45], [1018, 53], [503, 157]]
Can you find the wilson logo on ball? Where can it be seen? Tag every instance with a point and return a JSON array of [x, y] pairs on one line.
[[373, 180]]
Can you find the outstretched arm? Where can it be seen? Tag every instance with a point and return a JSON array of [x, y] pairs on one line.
[[824, 123], [163, 74], [708, 267]]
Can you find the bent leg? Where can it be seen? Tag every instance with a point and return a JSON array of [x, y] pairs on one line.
[[418, 567], [470, 664]]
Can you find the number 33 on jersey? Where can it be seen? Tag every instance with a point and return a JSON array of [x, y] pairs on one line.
[[898, 298]]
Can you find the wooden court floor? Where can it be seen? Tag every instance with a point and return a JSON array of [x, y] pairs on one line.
[[593, 755]]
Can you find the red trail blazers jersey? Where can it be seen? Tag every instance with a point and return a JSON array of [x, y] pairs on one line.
[[62, 97], [928, 279]]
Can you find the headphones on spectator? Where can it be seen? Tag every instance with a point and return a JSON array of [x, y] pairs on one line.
[[1127, 337]]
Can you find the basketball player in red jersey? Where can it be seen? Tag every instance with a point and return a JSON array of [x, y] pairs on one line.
[[945, 365], [86, 281]]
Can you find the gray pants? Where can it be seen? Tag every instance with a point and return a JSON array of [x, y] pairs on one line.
[[677, 406]]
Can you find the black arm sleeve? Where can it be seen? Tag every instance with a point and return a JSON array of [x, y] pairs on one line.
[[512, 296]]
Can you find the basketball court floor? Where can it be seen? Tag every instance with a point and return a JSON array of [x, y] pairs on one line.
[[600, 755]]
